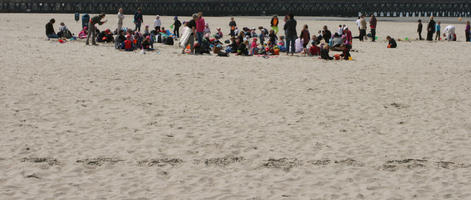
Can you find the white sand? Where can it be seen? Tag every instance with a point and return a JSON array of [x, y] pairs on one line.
[[95, 123]]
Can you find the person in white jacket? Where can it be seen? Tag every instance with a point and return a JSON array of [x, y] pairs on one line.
[[157, 23], [449, 33], [120, 20]]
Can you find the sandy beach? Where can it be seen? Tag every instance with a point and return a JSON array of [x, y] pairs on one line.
[[92, 122]]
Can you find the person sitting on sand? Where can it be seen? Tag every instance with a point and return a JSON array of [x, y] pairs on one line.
[[83, 33], [206, 29], [254, 47], [281, 44], [105, 36], [203, 47], [336, 41], [326, 34], [64, 32], [50, 33], [263, 34], [391, 42], [242, 48], [128, 44], [218, 34], [325, 52], [314, 50], [119, 40], [146, 30], [147, 44]]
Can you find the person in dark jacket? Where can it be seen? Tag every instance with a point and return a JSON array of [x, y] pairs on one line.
[[50, 33], [326, 34], [467, 31], [92, 29], [291, 34], [373, 23], [232, 25], [391, 42], [274, 23], [176, 27], [138, 19], [305, 36], [419, 29], [430, 29]]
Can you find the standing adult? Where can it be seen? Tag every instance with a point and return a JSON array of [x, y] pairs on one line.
[[358, 24], [176, 26], [157, 23], [232, 26], [200, 25], [419, 29], [191, 39], [430, 29], [467, 31], [120, 19], [274, 24], [362, 28], [373, 23], [138, 19], [50, 33], [85, 20], [291, 34], [305, 36], [92, 28]]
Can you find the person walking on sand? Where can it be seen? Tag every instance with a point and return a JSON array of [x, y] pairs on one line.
[[274, 24], [430, 29], [467, 31], [373, 23], [92, 29], [200, 25], [176, 26], [232, 26], [419, 29], [120, 20], [291, 34], [138, 20]]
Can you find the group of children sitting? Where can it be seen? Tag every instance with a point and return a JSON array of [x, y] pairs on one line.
[[129, 40]]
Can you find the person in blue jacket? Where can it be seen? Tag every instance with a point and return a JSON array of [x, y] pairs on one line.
[[85, 20], [138, 20]]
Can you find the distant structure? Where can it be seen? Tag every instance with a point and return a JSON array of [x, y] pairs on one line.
[[350, 8]]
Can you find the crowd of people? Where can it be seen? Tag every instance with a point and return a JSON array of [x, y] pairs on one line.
[[197, 38]]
